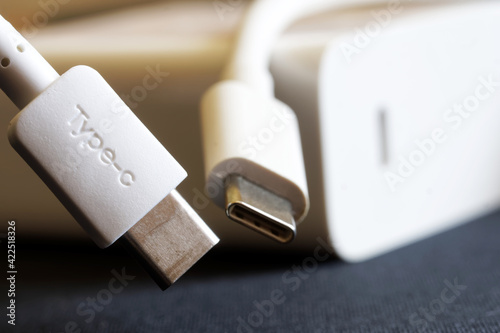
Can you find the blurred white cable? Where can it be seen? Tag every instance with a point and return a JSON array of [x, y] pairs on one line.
[[264, 188]]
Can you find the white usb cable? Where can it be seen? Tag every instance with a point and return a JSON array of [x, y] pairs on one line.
[[103, 164], [251, 140]]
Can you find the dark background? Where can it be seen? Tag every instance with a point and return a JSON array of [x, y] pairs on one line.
[[379, 295]]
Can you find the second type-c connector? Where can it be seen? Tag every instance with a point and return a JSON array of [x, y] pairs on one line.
[[259, 209]]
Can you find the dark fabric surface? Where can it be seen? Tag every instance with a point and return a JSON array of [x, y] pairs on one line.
[[408, 290]]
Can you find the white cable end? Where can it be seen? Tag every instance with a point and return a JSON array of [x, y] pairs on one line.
[[94, 153], [256, 137]]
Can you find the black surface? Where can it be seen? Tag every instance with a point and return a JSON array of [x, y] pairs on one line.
[[376, 296]]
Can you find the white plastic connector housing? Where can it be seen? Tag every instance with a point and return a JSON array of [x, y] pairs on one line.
[[255, 136], [93, 152]]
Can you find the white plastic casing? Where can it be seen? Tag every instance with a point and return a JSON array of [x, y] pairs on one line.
[[255, 136], [94, 154], [392, 107]]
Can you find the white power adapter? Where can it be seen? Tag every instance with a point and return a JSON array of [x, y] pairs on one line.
[[400, 125]]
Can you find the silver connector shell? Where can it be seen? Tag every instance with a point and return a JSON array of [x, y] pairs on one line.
[[259, 209], [170, 239]]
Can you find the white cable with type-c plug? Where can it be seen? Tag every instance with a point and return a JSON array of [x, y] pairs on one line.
[[102, 163], [258, 162], [251, 140]]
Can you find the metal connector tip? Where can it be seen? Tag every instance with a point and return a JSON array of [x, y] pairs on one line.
[[259, 209], [170, 239]]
